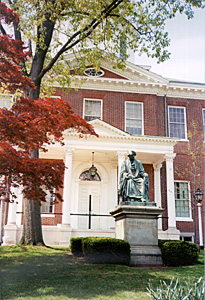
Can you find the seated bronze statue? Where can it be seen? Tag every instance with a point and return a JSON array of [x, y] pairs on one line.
[[134, 182]]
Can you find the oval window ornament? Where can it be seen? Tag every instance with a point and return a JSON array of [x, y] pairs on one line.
[[92, 72]]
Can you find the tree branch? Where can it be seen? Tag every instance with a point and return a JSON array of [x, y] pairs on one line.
[[86, 31], [2, 30]]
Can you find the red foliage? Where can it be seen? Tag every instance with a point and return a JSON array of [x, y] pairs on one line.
[[29, 125], [11, 56], [32, 123], [8, 15], [31, 173]]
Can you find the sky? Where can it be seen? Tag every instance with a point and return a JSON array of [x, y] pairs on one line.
[[187, 61]]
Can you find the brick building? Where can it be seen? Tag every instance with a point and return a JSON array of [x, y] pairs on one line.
[[130, 109]]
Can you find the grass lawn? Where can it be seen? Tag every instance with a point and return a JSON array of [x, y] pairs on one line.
[[53, 274]]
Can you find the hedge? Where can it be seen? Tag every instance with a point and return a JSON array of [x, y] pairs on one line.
[[178, 253], [101, 249]]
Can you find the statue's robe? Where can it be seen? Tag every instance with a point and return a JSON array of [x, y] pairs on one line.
[[134, 182]]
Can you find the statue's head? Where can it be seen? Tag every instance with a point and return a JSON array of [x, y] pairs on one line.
[[131, 155]]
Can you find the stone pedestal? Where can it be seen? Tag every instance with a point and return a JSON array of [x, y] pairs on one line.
[[137, 224]]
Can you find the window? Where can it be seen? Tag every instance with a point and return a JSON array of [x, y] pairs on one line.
[[177, 122], [85, 176], [203, 111], [182, 199], [6, 101], [92, 109], [187, 238], [92, 72], [133, 118], [47, 207]]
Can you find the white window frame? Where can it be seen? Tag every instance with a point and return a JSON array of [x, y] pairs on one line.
[[142, 106], [203, 116], [55, 97], [185, 219], [48, 214], [92, 99], [185, 123], [183, 236]]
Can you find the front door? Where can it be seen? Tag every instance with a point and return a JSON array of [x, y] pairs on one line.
[[87, 188]]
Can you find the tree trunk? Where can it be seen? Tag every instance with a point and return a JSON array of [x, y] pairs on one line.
[[32, 230]]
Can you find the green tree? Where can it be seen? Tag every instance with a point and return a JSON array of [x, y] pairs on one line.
[[193, 172], [91, 30]]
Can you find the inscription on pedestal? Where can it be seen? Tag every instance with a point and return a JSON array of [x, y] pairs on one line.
[[139, 232]]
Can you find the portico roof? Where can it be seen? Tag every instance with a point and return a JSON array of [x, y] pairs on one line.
[[111, 140]]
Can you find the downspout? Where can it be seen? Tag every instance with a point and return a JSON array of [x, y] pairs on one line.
[[165, 115]]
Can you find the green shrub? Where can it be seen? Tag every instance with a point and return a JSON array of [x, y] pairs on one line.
[[76, 245], [178, 253], [106, 250], [101, 249], [177, 291]]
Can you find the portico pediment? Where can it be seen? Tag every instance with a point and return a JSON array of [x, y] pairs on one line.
[[104, 129]]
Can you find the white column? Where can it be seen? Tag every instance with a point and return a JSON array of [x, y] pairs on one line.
[[157, 190], [121, 158], [67, 186], [200, 225], [170, 190], [10, 229], [12, 208]]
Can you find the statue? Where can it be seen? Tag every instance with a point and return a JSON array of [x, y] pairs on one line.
[[134, 182]]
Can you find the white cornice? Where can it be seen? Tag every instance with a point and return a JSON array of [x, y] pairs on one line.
[[190, 91], [139, 80], [141, 139]]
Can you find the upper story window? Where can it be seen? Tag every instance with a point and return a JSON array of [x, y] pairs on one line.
[[6, 101], [134, 118], [182, 200], [177, 122], [92, 109], [203, 111], [48, 207]]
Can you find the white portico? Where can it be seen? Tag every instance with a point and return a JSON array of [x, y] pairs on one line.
[[110, 150]]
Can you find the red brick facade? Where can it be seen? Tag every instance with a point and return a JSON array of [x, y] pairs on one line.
[[154, 125]]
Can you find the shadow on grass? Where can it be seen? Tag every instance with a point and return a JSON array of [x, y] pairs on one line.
[[59, 275]]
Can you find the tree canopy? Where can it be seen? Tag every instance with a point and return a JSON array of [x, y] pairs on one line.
[[29, 124], [92, 30]]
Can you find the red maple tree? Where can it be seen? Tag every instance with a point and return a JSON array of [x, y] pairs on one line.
[[28, 125], [12, 55]]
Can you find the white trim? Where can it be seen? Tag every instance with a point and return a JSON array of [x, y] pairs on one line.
[[51, 215], [93, 99], [185, 123], [179, 219], [55, 97], [142, 116], [185, 219]]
